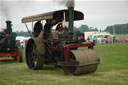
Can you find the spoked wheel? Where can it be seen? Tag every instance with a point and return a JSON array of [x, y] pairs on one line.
[[33, 58], [34, 55], [21, 54], [19, 57]]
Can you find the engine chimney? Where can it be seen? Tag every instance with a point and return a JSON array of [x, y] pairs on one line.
[[9, 27], [71, 18]]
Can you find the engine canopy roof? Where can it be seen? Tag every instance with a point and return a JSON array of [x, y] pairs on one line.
[[55, 15]]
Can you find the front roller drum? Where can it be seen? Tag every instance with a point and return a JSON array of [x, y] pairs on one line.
[[87, 62], [34, 53]]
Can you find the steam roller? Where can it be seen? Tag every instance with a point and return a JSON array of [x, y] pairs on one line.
[[61, 46], [78, 61]]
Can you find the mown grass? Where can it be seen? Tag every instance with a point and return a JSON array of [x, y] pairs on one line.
[[113, 70]]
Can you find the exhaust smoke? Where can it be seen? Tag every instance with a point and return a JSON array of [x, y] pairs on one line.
[[67, 3], [7, 9], [5, 14]]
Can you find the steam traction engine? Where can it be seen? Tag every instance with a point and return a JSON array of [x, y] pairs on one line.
[[8, 46], [60, 47]]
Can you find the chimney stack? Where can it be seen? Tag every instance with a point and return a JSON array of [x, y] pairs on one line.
[[9, 27], [71, 18]]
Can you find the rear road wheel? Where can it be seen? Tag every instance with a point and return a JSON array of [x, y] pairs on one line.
[[33, 58]]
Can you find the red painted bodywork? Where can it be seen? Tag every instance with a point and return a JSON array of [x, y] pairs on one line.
[[11, 54], [67, 49]]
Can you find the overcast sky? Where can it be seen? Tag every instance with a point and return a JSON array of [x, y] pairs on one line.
[[98, 13]]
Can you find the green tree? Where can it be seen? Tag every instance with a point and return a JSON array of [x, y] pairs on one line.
[[119, 29]]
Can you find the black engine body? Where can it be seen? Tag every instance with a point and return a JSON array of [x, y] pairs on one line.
[[7, 43]]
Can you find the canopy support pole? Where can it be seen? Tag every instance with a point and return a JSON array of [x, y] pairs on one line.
[[28, 30]]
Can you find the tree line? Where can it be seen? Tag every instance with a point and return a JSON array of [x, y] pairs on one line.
[[22, 33], [85, 28], [119, 29]]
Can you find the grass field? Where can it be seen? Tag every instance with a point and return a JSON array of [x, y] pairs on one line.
[[113, 70]]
